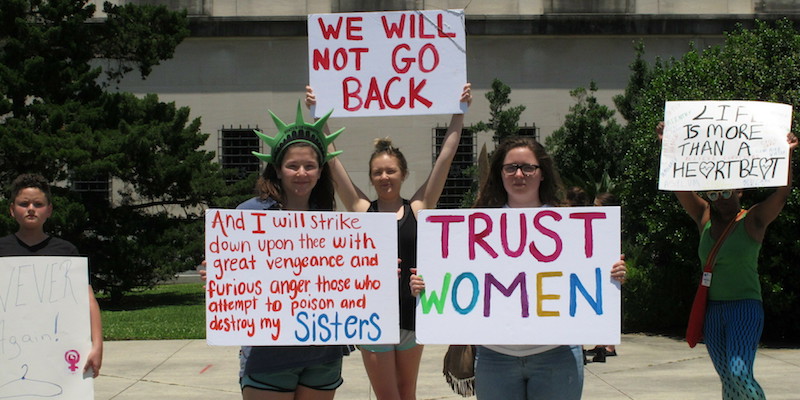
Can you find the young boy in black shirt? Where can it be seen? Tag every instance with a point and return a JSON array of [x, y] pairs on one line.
[[30, 207]]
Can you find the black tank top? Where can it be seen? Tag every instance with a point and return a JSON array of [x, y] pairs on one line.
[[407, 252]]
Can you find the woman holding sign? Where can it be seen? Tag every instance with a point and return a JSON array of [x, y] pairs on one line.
[[522, 175], [734, 315], [296, 177], [393, 369]]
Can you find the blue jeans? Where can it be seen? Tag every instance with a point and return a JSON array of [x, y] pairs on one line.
[[554, 374]]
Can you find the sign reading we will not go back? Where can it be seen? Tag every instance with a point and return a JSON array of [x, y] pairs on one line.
[[387, 63], [300, 278]]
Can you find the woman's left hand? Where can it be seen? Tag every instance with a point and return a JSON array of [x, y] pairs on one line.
[[466, 94], [619, 271], [416, 283]]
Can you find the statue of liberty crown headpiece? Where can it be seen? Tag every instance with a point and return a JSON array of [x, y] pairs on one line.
[[299, 131]]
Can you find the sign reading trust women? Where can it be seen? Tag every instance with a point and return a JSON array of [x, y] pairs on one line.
[[45, 332], [300, 278], [387, 63], [519, 276], [717, 145]]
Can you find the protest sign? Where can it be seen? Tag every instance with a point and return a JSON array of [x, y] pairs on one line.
[[45, 330], [717, 145], [519, 276], [300, 278], [387, 63]]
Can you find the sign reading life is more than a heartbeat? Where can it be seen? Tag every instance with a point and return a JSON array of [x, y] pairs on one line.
[[300, 278], [717, 145], [45, 332], [387, 63], [519, 276]]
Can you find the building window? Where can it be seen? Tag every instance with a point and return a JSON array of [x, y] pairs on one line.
[[458, 182], [92, 189], [529, 131], [589, 6], [236, 147]]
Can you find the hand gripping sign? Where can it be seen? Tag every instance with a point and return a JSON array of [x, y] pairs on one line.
[[388, 63]]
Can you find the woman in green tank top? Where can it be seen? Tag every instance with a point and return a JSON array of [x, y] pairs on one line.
[[734, 315]]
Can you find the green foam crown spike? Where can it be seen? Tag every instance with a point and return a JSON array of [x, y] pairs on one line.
[[299, 131]]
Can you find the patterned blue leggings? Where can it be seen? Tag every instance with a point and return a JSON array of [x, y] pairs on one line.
[[731, 331]]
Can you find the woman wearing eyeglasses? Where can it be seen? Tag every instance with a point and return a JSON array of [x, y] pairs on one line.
[[522, 175], [734, 314]]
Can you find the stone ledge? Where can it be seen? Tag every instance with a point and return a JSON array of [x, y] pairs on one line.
[[513, 25]]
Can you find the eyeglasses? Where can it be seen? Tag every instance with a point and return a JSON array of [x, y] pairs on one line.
[[714, 195], [527, 169]]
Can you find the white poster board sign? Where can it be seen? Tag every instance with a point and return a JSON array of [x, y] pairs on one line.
[[45, 331], [718, 145], [300, 278], [387, 63], [519, 276]]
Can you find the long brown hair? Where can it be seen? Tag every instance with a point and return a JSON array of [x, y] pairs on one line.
[[493, 194], [269, 185]]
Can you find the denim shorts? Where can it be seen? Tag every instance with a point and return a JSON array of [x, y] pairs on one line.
[[327, 376], [408, 339]]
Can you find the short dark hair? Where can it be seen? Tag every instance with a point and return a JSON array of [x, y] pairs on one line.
[[606, 199], [576, 196], [25, 181]]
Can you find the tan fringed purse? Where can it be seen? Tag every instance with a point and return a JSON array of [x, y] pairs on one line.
[[459, 369]]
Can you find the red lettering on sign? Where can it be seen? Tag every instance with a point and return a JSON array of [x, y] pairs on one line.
[[547, 232], [445, 220], [353, 28], [440, 27], [588, 236], [329, 30], [352, 99]]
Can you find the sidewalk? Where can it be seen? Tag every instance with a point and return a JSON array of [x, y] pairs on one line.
[[648, 367]]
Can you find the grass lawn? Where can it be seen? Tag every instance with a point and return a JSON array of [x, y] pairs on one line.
[[164, 312]]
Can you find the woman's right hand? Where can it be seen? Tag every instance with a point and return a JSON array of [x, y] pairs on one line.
[[311, 98], [201, 269]]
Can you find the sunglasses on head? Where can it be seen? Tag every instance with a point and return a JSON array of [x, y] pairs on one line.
[[714, 195]]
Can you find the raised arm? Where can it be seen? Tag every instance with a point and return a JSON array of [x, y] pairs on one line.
[[762, 214], [428, 194], [352, 197], [696, 207]]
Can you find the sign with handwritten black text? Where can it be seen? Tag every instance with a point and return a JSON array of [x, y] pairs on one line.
[[301, 278], [718, 145], [387, 63], [519, 276], [45, 331]]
